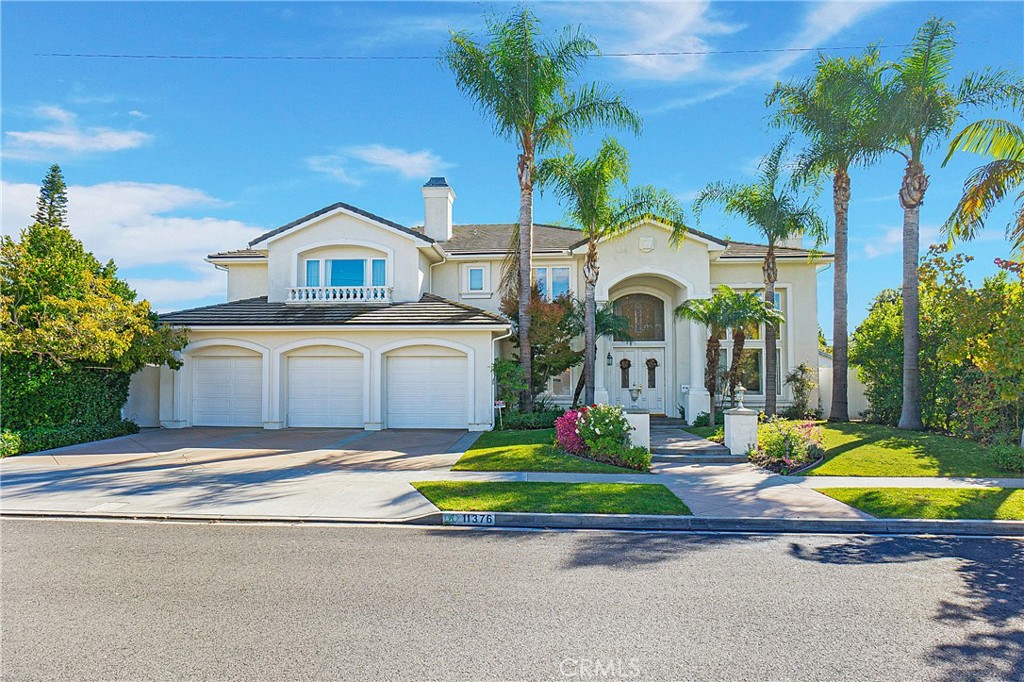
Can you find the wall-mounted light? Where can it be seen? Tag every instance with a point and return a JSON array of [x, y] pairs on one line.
[[608, 360]]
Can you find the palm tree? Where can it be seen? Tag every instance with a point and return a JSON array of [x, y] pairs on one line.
[[524, 85], [606, 323], [833, 109], [586, 186], [987, 185], [918, 108], [715, 313], [776, 210], [749, 311]]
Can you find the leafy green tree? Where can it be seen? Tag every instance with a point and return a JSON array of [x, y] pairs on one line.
[[63, 313], [525, 86], [747, 312], [835, 110], [990, 183], [918, 107], [587, 186], [552, 339], [778, 212], [717, 314]]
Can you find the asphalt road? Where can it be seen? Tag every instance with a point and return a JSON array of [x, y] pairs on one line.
[[133, 601]]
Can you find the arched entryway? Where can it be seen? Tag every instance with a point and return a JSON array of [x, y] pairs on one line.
[[641, 361]]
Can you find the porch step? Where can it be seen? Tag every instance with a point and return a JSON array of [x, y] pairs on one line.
[[700, 458], [667, 421]]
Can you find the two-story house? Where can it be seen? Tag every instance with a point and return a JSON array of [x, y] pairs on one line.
[[343, 318]]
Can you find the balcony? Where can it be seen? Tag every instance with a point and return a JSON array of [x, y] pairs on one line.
[[339, 294]]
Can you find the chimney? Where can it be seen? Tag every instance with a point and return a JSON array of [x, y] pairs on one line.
[[438, 197], [794, 242]]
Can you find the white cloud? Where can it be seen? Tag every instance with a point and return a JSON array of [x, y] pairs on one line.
[[66, 135], [195, 287], [128, 222], [378, 157], [892, 241]]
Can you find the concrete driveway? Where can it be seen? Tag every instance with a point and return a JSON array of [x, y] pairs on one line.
[[338, 473]]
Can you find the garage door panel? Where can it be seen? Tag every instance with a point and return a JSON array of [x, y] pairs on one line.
[[227, 391], [325, 391], [427, 392]]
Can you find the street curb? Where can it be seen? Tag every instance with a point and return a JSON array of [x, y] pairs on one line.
[[698, 524]]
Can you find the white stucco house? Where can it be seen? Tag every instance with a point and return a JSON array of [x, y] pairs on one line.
[[343, 318]]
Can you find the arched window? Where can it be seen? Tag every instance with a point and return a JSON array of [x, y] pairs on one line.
[[646, 315]]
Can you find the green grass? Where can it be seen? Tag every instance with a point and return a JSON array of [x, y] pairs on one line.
[[934, 503], [875, 450], [715, 433], [528, 451], [552, 498]]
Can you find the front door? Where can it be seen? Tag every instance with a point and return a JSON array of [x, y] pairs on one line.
[[643, 367]]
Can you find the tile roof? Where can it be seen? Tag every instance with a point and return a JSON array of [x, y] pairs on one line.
[[239, 253], [495, 238], [347, 207], [429, 310], [748, 250]]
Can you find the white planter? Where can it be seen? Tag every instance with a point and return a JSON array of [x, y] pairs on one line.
[[740, 430], [641, 425]]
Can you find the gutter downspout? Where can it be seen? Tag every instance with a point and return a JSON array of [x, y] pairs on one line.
[[430, 270]]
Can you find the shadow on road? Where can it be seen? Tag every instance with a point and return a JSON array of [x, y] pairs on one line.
[[990, 603]]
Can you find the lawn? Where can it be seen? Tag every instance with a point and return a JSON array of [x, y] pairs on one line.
[[715, 433], [934, 503], [552, 498], [875, 450], [528, 451]]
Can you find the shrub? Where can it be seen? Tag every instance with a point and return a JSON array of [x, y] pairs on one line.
[[567, 434], [509, 378], [784, 446], [611, 450], [1008, 457], [604, 421], [704, 419], [801, 381], [515, 419], [47, 437]]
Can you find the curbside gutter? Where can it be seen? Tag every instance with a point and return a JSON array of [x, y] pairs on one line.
[[626, 522]]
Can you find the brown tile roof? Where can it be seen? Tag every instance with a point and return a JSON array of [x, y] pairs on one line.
[[239, 253], [495, 238], [748, 250], [430, 310]]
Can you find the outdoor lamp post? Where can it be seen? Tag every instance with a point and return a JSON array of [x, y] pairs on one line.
[[740, 392]]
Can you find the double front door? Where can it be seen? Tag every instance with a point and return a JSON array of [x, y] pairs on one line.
[[638, 367]]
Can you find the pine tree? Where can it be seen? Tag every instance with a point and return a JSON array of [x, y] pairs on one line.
[[52, 205]]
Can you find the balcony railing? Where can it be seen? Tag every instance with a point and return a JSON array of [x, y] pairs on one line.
[[339, 294]]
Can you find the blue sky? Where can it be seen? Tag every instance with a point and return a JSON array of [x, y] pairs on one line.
[[170, 159]]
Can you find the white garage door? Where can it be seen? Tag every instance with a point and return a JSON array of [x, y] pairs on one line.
[[227, 391], [427, 392], [325, 391]]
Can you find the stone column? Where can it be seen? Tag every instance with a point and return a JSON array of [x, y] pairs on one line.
[[740, 430], [698, 400], [601, 371]]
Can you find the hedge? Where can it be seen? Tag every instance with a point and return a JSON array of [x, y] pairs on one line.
[[46, 438]]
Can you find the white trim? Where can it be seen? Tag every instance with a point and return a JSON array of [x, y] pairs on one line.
[[231, 261], [464, 270], [299, 250], [604, 286], [348, 327], [185, 391], [378, 372], [331, 214], [712, 245], [281, 351]]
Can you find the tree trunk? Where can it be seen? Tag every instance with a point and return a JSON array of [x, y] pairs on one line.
[[739, 338], [915, 183], [580, 384], [525, 273], [771, 367], [590, 272], [711, 369], [840, 410]]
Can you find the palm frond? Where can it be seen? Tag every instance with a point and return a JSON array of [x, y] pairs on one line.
[[990, 137], [983, 189]]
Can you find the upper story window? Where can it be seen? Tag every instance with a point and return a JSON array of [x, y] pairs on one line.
[[346, 272], [646, 315], [552, 282], [476, 279]]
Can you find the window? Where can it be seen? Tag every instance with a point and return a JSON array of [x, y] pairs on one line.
[[552, 282], [646, 315], [346, 273], [750, 372], [312, 273], [379, 275], [561, 385], [476, 279]]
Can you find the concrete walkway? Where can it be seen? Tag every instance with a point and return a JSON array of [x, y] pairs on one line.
[[347, 474]]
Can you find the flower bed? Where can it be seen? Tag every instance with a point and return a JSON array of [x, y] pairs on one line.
[[600, 433], [787, 447]]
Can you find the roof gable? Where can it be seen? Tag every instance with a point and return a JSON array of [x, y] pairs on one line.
[[340, 207]]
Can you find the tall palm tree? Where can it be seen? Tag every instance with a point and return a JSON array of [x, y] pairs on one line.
[[749, 311], [587, 185], [524, 84], [715, 313], [987, 185], [833, 109], [606, 323], [778, 212], [918, 107]]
